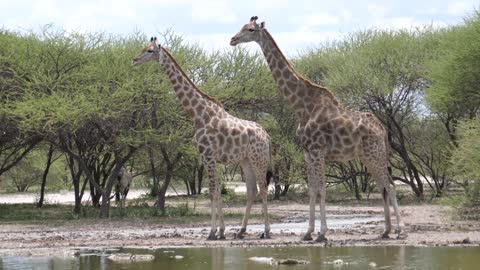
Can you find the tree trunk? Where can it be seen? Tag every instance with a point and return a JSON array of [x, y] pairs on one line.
[[154, 175], [285, 190], [200, 178], [44, 176], [160, 204], [277, 186]]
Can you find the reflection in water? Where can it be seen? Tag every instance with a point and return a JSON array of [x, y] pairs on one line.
[[237, 258]]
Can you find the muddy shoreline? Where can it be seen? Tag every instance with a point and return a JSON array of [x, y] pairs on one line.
[[425, 225]]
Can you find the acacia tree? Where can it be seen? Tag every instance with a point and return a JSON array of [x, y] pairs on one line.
[[454, 96], [16, 70]]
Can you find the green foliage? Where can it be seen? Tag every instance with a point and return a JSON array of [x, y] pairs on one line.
[[455, 72], [465, 158]]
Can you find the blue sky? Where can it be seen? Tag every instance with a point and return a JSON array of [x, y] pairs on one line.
[[296, 25]]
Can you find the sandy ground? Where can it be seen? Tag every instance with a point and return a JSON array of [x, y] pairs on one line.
[[425, 225]]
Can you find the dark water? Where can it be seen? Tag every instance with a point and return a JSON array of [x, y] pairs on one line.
[[238, 258]]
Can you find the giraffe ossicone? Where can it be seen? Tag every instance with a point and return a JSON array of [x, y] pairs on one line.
[[326, 130], [220, 137]]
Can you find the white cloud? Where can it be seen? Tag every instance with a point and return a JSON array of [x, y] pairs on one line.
[[212, 12], [265, 5], [293, 42], [377, 10], [320, 19], [459, 8]]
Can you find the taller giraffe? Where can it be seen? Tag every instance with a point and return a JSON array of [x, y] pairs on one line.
[[326, 130], [220, 137]]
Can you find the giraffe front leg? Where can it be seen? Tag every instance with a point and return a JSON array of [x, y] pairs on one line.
[[323, 217], [221, 231], [214, 194], [312, 192]]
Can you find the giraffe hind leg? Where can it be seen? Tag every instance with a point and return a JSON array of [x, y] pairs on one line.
[[251, 193]]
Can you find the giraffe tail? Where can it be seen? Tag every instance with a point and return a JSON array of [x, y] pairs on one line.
[[269, 176]]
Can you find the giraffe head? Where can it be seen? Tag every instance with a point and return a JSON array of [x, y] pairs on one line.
[[149, 53], [249, 32]]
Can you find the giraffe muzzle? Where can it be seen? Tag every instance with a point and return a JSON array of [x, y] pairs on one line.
[[234, 41]]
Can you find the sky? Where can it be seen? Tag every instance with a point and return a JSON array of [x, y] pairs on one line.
[[296, 25]]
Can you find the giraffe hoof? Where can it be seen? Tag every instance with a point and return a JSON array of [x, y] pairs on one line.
[[321, 238], [212, 236], [238, 236], [221, 237], [307, 237], [265, 235], [385, 236], [401, 236]]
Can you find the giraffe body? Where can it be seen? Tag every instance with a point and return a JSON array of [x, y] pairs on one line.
[[220, 137], [326, 131]]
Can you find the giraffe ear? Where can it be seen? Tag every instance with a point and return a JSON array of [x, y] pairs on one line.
[[151, 39], [155, 39], [262, 25]]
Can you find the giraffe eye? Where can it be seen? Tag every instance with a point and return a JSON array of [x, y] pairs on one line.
[[251, 30], [150, 51]]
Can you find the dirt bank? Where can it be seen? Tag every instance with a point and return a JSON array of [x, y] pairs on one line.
[[425, 225]]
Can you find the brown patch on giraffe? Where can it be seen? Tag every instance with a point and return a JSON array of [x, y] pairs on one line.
[[189, 93], [198, 123], [347, 141], [235, 132], [194, 102], [228, 144], [204, 140], [342, 131], [186, 103], [244, 138], [206, 117], [310, 107], [215, 122], [190, 112], [328, 139], [199, 110], [277, 73], [237, 141], [221, 139]]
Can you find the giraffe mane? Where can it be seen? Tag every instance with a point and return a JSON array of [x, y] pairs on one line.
[[308, 82], [190, 81]]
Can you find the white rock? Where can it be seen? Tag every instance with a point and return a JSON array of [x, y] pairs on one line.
[[142, 257], [178, 257], [268, 260], [372, 265], [121, 257], [338, 261]]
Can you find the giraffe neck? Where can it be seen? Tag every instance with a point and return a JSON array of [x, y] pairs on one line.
[[199, 106], [281, 69], [299, 92]]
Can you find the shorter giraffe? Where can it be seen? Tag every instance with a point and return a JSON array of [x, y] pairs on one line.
[[326, 130], [220, 137]]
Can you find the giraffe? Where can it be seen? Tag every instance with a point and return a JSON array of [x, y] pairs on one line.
[[326, 130], [220, 137]]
